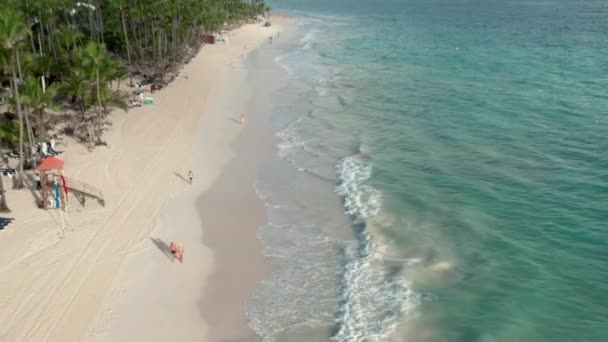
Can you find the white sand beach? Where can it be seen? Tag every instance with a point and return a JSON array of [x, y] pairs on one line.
[[109, 278]]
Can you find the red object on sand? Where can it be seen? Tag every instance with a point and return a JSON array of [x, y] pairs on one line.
[[64, 183], [50, 163], [177, 251]]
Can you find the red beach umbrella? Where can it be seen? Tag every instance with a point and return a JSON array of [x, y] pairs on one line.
[[50, 163]]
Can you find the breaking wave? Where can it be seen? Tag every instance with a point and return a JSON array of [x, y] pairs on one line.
[[374, 297]]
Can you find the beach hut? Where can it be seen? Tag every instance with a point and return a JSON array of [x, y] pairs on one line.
[[52, 183]]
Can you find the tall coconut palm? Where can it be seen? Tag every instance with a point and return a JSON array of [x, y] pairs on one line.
[[75, 87], [31, 65], [13, 30], [95, 56], [9, 135], [38, 100], [4, 65], [3, 202], [112, 98], [69, 38], [122, 8]]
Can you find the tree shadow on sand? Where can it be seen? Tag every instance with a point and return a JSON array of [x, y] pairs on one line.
[[163, 247]]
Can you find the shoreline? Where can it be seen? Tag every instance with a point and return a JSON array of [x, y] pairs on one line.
[[53, 289], [223, 262], [233, 233]]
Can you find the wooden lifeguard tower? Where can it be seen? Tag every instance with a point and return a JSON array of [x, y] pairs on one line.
[[52, 183]]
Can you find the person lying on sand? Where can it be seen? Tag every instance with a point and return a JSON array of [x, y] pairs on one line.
[[177, 251]]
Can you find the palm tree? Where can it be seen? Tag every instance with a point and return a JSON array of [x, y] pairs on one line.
[[149, 34], [122, 4], [95, 57], [31, 65], [69, 38], [112, 98], [9, 135], [38, 100], [4, 61], [3, 204], [75, 87], [12, 31], [114, 72]]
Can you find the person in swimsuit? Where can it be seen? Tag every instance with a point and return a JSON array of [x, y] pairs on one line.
[[177, 251]]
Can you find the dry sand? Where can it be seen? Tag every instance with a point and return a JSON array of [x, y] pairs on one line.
[[80, 287]]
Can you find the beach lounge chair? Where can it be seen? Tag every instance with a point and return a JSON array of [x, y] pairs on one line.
[[139, 90], [5, 222], [135, 101], [44, 149], [12, 154], [51, 151], [8, 172]]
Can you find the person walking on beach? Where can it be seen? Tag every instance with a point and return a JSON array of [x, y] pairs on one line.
[[177, 251], [190, 176], [242, 119]]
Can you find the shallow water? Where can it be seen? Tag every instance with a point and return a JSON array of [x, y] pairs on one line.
[[441, 173]]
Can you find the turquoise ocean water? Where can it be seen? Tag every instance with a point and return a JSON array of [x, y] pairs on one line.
[[442, 173]]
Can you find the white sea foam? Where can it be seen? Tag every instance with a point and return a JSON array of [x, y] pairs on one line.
[[321, 91], [361, 200], [321, 87], [373, 299], [308, 39], [289, 141], [306, 42], [295, 293], [281, 61]]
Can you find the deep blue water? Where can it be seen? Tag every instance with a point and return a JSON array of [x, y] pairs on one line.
[[467, 144]]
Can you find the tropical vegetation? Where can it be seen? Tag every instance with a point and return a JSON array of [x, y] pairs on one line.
[[69, 56]]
